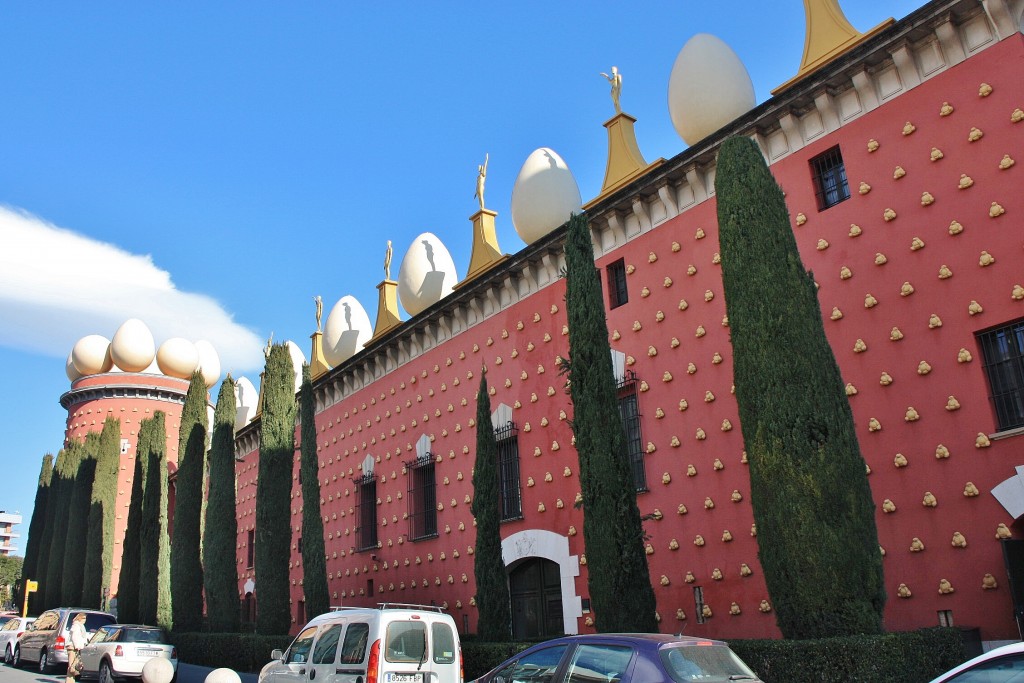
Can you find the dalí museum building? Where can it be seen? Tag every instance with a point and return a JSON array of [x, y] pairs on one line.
[[900, 151]]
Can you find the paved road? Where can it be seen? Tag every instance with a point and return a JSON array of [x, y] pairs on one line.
[[187, 673]]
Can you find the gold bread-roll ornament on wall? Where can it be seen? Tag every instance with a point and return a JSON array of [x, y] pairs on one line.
[[941, 452], [1006, 162], [916, 545], [945, 587], [934, 321], [1003, 532], [885, 379], [946, 109], [888, 506], [929, 500], [898, 173], [872, 145], [855, 230], [988, 582], [958, 540], [903, 592]]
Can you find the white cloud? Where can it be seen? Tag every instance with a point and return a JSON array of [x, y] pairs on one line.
[[57, 286]]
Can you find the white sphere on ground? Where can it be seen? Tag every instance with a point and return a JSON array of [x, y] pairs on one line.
[[222, 676], [132, 347], [298, 358], [246, 400], [427, 274], [91, 355], [157, 670], [347, 329], [71, 371], [708, 88], [544, 196], [178, 357], [209, 362]]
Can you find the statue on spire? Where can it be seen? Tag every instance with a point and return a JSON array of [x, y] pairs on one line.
[[616, 80], [481, 179], [387, 262], [319, 312]]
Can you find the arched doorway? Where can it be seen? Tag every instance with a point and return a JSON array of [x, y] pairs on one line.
[[536, 592]]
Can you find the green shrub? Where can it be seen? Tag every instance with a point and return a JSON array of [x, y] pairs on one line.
[[480, 657], [242, 652], [908, 657]]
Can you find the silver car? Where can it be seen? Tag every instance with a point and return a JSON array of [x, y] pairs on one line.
[[122, 650], [45, 642], [9, 635]]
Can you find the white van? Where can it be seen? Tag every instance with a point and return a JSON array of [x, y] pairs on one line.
[[390, 643]]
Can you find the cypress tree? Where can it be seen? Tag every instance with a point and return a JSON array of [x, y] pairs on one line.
[[273, 488], [40, 600], [186, 567], [808, 483], [314, 562], [219, 569], [128, 580], [67, 471], [155, 550], [612, 530], [99, 560], [494, 615], [78, 541], [35, 529]]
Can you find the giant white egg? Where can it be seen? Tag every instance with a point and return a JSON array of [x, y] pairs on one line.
[[209, 362], [91, 355], [544, 196], [178, 357], [347, 329], [298, 358], [132, 347], [71, 371], [246, 401], [427, 274], [708, 88]]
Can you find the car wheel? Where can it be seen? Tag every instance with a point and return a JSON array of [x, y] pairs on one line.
[[106, 673], [17, 657], [44, 665], [8, 656]]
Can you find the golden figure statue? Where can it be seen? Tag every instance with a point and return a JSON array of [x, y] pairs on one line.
[[481, 179], [269, 346], [387, 262], [616, 80], [319, 311]]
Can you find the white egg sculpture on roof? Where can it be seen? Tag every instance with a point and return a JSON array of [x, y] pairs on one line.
[[177, 357], [209, 362], [298, 358], [544, 196], [132, 347], [427, 274], [91, 355], [347, 329], [708, 88], [246, 401], [71, 371]]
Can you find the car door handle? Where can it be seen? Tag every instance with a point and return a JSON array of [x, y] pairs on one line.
[[312, 674], [349, 672]]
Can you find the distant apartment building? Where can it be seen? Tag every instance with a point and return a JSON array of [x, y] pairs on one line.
[[8, 520]]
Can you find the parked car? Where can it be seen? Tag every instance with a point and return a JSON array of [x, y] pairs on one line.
[[121, 650], [1000, 665], [9, 635], [390, 643], [45, 642], [623, 658]]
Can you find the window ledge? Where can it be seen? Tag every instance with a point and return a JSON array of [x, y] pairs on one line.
[[1017, 431]]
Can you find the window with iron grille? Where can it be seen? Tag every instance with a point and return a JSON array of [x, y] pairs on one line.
[[422, 497], [508, 472], [617, 292], [829, 173], [366, 532], [629, 411], [1003, 352]]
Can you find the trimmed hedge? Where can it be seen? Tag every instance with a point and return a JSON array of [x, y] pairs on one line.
[[479, 657], [242, 652]]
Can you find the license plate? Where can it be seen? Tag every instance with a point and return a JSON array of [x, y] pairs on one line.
[[149, 653], [403, 678]]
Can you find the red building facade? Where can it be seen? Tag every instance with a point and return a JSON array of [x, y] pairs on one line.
[[920, 271]]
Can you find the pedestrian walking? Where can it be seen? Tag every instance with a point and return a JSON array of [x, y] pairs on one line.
[[79, 637]]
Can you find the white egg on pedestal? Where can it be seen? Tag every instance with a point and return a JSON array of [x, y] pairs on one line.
[[209, 362], [132, 347], [91, 355], [298, 358], [246, 401], [544, 196], [347, 329], [71, 371], [427, 274], [178, 357], [708, 88]]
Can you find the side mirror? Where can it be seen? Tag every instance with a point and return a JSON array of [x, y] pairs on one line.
[[277, 655]]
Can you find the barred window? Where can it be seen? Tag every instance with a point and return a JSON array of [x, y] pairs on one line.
[[1003, 351], [422, 497], [829, 173], [629, 411], [366, 532], [508, 472], [617, 292]]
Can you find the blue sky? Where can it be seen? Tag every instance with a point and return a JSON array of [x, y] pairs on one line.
[[210, 167]]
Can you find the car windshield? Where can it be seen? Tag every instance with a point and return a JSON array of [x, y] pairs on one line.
[[706, 663], [144, 635]]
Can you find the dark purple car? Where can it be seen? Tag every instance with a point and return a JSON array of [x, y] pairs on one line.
[[623, 658]]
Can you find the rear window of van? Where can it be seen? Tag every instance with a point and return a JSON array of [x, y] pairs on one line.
[[406, 641], [444, 643]]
